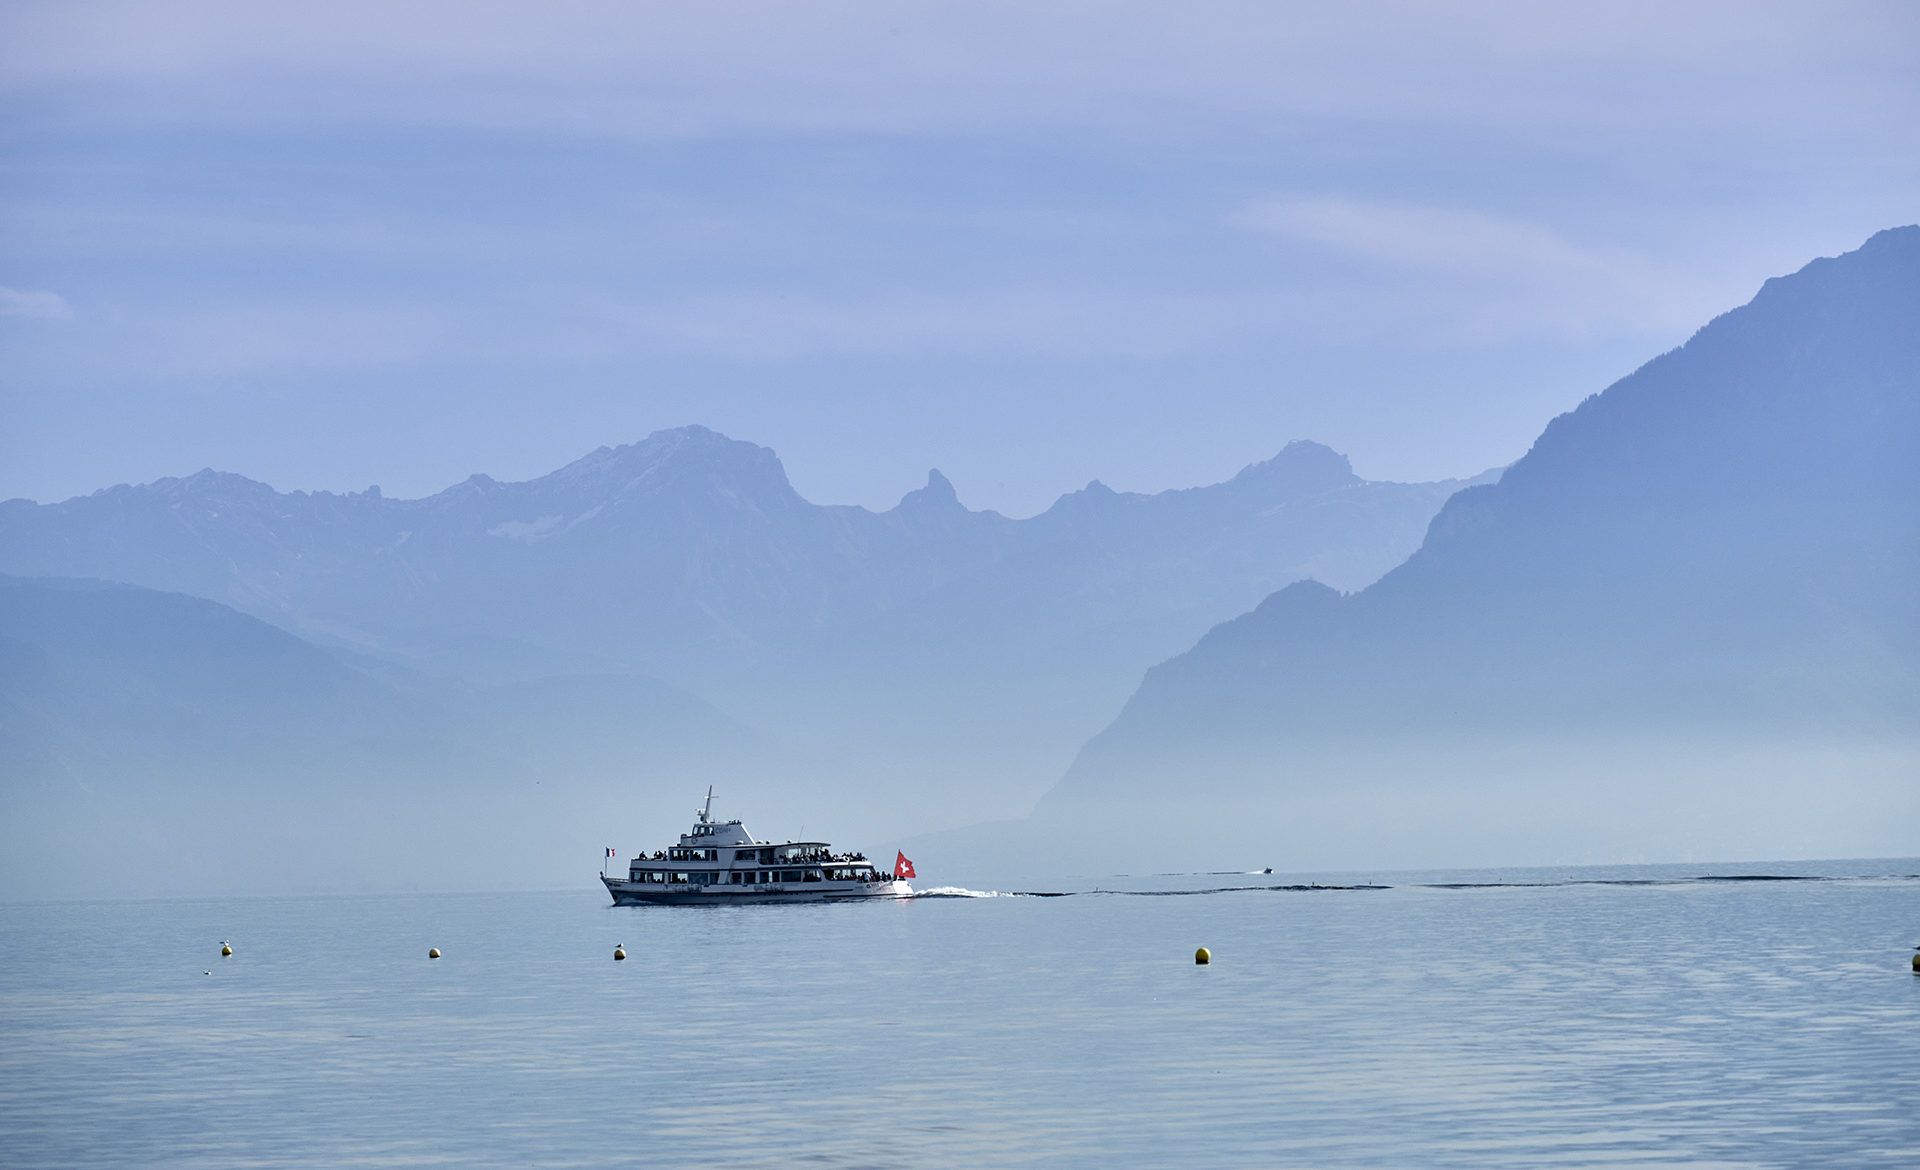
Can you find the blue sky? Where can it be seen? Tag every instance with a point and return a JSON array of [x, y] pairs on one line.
[[332, 246]]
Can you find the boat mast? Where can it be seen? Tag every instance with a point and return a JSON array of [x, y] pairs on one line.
[[708, 807]]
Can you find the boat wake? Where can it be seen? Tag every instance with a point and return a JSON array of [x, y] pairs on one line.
[[962, 892]]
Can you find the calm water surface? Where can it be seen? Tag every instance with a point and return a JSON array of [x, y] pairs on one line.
[[1704, 1023]]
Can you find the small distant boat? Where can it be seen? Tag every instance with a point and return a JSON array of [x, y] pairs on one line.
[[720, 863]]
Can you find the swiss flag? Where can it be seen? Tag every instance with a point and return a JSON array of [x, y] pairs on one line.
[[902, 868]]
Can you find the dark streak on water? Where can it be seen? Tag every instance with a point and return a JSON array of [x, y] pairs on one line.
[[1604, 1018], [1316, 887]]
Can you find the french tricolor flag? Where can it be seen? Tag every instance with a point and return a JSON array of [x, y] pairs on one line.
[[611, 852]]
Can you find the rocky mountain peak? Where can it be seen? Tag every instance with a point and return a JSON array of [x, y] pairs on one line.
[[1301, 468], [690, 459], [938, 495]]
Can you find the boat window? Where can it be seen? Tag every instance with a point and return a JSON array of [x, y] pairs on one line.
[[677, 878], [789, 875], [813, 875]]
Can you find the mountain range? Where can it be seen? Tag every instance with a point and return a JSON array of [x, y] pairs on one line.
[[690, 546], [644, 621]]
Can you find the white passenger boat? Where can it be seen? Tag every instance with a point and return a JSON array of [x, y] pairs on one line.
[[719, 863]]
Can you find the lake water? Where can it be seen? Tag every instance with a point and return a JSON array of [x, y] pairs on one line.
[[1681, 1021]]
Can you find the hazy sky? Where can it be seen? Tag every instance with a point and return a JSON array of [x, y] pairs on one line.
[[331, 245]]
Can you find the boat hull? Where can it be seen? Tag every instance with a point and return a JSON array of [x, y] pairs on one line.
[[628, 893]]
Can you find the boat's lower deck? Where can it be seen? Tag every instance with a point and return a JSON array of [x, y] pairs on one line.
[[631, 893]]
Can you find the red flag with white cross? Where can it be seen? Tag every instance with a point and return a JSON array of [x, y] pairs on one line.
[[902, 868]]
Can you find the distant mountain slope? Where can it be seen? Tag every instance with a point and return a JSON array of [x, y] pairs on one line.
[[158, 742], [1724, 546], [928, 640]]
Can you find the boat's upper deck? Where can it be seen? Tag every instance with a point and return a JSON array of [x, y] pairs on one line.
[[706, 834]]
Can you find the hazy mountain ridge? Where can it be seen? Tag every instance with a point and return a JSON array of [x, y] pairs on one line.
[[707, 530], [1726, 543]]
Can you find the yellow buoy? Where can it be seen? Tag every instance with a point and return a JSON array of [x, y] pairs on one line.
[[1916, 964], [225, 950], [1203, 956], [619, 952], [433, 952]]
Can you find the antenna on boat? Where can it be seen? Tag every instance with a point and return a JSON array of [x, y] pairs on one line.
[[708, 807]]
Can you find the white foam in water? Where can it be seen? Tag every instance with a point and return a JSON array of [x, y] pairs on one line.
[[959, 892]]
